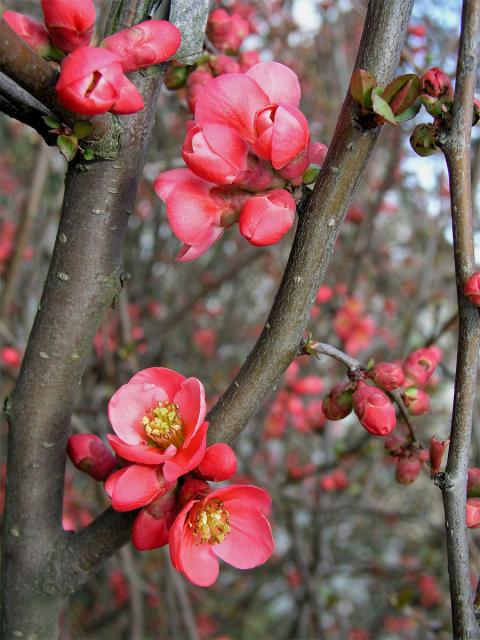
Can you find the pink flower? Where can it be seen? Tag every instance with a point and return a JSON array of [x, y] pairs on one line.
[[31, 31], [90, 81], [416, 401], [374, 410], [248, 59], [215, 152], [223, 64], [472, 289], [420, 365], [197, 210], [70, 23], [309, 385], [408, 470], [89, 454], [387, 375], [10, 357], [338, 403], [265, 219], [144, 44], [237, 100], [135, 486], [436, 450], [196, 81], [227, 32], [473, 513], [158, 418], [230, 524], [219, 463], [436, 83]]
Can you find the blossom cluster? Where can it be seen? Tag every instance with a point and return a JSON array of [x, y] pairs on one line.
[[247, 146], [92, 79], [163, 468]]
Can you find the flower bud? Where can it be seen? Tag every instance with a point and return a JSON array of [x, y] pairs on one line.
[[265, 219], [223, 64], [248, 59], [416, 401], [89, 454], [70, 23], [176, 76], [437, 449], [219, 463], [129, 99], [423, 140], [192, 489], [144, 44], [473, 513], [152, 525], [401, 93], [420, 365], [407, 470], [473, 483], [374, 410], [90, 81], [227, 32], [29, 30], [472, 289], [195, 83], [387, 375], [394, 444], [437, 92], [338, 404]]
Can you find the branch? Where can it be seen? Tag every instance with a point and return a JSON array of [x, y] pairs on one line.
[[38, 78], [18, 104], [456, 148], [382, 40]]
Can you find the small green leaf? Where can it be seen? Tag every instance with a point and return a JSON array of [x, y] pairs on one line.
[[52, 122], [382, 108], [68, 146], [311, 174], [402, 92], [88, 154], [82, 129], [411, 112], [361, 86]]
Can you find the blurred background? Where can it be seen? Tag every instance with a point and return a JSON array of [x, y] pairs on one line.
[[358, 555]]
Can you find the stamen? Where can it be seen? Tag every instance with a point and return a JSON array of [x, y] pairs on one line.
[[210, 523], [163, 425]]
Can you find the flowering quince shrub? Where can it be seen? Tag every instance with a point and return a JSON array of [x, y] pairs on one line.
[[246, 149], [163, 468]]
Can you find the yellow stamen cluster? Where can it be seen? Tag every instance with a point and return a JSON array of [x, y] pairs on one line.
[[163, 425], [210, 523]]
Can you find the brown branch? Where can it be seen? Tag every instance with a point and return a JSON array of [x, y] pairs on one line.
[[456, 147], [380, 47], [38, 78], [84, 279]]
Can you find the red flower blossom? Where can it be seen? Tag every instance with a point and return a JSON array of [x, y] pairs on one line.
[[265, 219], [144, 44], [229, 524], [219, 463], [31, 31], [70, 23], [158, 418], [374, 410], [89, 454]]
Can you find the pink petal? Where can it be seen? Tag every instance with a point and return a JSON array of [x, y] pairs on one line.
[[166, 379], [135, 488], [167, 181], [250, 542], [188, 457], [254, 496], [127, 408], [290, 135], [278, 81], [177, 532], [197, 561], [191, 400], [141, 453], [231, 99], [265, 219], [190, 252], [112, 480]]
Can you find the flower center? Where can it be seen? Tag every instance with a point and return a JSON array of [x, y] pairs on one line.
[[163, 425], [210, 523]]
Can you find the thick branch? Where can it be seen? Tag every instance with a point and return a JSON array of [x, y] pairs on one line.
[[382, 41], [457, 153]]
